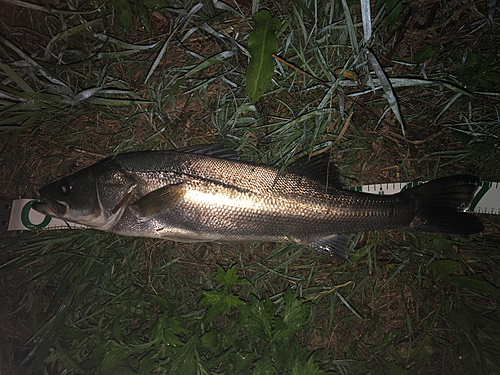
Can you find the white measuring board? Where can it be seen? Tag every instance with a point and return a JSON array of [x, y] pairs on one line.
[[23, 217], [19, 215], [486, 200]]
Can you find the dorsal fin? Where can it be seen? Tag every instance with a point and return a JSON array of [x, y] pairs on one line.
[[214, 150], [318, 168]]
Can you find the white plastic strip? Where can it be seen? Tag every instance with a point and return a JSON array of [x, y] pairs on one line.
[[486, 200], [23, 217]]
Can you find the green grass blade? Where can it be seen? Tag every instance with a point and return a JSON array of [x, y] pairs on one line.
[[366, 14], [16, 78], [350, 27], [180, 24], [386, 86]]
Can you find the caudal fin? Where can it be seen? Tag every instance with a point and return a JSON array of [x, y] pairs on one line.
[[440, 206]]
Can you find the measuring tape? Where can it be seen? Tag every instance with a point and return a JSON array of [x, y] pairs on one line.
[[18, 214], [486, 200]]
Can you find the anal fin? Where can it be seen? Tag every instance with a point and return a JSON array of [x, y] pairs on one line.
[[334, 246]]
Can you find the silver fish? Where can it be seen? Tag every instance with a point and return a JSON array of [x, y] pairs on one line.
[[207, 193]]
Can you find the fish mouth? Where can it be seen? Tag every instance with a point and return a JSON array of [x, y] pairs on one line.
[[51, 208]]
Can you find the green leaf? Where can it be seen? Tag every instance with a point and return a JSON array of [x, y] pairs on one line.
[[144, 18], [188, 367], [485, 147], [486, 84], [294, 317], [113, 355], [241, 360], [492, 76], [257, 317], [61, 355], [473, 59], [262, 44], [215, 297], [461, 137], [476, 283], [160, 301], [221, 302], [309, 368], [226, 278], [211, 298], [231, 300], [229, 278], [394, 10], [264, 367], [214, 311], [443, 268], [146, 364], [187, 360], [210, 339], [124, 14], [166, 330]]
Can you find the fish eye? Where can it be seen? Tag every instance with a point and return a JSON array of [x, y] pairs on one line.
[[65, 186]]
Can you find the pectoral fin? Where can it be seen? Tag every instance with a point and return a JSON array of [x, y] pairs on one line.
[[334, 246], [158, 201]]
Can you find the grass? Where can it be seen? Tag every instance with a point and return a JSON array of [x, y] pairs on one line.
[[418, 101]]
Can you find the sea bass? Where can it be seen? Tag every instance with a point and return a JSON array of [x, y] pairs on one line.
[[208, 194]]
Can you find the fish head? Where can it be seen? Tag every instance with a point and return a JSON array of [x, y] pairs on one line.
[[95, 196]]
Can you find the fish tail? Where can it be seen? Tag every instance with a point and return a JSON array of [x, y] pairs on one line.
[[440, 205]]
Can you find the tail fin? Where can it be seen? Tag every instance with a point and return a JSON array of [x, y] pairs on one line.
[[440, 206]]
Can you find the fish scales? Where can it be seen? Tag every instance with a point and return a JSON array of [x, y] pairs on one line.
[[292, 205]]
